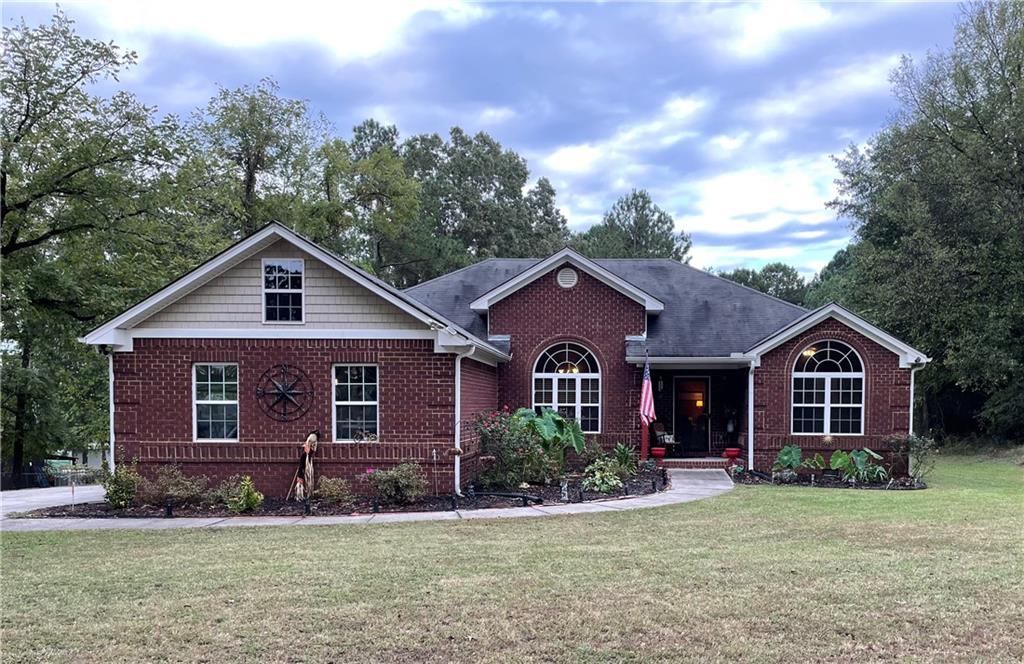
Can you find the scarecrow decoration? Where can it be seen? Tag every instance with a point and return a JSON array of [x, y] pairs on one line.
[[304, 480]]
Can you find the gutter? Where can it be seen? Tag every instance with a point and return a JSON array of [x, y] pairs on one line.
[[458, 418], [910, 424], [750, 417]]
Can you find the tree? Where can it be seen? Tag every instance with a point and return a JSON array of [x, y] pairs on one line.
[[634, 228], [259, 152], [937, 205], [776, 279], [86, 184]]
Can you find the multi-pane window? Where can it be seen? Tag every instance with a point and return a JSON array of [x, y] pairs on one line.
[[828, 390], [567, 379], [282, 290], [215, 387], [355, 402]]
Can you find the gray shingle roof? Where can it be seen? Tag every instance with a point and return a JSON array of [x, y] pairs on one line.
[[705, 315]]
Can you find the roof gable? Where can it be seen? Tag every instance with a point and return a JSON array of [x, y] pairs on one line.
[[566, 257], [113, 331], [909, 356]]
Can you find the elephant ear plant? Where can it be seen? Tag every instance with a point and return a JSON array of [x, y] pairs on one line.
[[555, 433]]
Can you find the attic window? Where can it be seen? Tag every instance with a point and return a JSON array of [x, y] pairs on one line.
[[283, 290], [567, 277]]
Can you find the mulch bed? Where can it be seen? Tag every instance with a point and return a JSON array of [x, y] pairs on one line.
[[829, 481], [645, 482]]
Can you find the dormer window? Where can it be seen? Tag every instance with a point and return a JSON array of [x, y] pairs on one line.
[[283, 290]]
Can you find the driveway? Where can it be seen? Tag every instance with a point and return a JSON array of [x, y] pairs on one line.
[[23, 500]]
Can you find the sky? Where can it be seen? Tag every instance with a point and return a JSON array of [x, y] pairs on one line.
[[728, 114]]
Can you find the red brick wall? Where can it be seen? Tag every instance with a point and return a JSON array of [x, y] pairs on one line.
[[589, 313], [886, 397], [479, 395], [153, 401]]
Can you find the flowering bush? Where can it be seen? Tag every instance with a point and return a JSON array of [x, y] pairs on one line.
[[515, 453]]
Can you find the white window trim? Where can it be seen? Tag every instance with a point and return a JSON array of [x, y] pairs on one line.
[[196, 403], [335, 403], [828, 376], [264, 290]]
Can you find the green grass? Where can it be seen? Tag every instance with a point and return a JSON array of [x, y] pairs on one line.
[[761, 573]]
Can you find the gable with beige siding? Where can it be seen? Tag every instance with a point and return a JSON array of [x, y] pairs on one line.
[[235, 300]]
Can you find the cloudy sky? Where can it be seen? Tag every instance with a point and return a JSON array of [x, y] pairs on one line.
[[726, 113]]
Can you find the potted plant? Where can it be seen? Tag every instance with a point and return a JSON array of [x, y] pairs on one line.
[[732, 452], [658, 452]]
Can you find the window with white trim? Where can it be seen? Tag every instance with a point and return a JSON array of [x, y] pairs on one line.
[[356, 407], [828, 390], [567, 379], [283, 290], [215, 397]]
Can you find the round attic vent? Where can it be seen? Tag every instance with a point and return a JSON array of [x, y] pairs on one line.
[[567, 277]]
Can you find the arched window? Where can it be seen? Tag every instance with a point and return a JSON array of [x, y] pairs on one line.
[[828, 390], [567, 379]]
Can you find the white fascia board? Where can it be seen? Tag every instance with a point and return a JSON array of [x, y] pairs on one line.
[[909, 356], [484, 302], [106, 333], [689, 361]]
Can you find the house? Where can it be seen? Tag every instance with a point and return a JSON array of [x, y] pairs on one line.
[[227, 369]]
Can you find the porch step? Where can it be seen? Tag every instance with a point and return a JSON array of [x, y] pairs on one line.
[[701, 462]]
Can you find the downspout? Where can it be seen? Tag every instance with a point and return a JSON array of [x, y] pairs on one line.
[[910, 425], [750, 417], [110, 391], [458, 419]]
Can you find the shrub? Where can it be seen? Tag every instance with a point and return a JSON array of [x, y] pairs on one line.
[[625, 460], [122, 485], [247, 499], [222, 494], [517, 454], [555, 433], [790, 457], [919, 453], [592, 451], [172, 487], [334, 490], [400, 485], [858, 466], [602, 476]]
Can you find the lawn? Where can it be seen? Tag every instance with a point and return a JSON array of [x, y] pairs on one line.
[[762, 573]]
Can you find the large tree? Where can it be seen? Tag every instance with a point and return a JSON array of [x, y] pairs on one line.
[[634, 227], [937, 203], [776, 279], [86, 183]]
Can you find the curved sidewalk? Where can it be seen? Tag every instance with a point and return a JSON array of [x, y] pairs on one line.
[[687, 486]]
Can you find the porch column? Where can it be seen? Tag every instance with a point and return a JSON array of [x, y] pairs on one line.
[[644, 440], [750, 418]]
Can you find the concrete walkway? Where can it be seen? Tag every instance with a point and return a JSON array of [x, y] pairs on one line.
[[24, 500], [686, 486]]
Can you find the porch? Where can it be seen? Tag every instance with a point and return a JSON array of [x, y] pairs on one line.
[[700, 412]]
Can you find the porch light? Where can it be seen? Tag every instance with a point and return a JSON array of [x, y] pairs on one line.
[[661, 384], [700, 403]]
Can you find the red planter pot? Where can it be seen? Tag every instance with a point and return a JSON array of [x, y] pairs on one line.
[[732, 452], [658, 452]]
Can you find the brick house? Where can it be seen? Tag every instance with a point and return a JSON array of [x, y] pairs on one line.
[[227, 369]]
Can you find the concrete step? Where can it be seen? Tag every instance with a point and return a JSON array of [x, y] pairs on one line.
[[700, 462]]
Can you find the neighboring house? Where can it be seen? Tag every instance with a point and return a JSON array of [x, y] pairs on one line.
[[227, 369]]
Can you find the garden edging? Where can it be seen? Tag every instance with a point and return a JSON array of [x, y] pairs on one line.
[[686, 486]]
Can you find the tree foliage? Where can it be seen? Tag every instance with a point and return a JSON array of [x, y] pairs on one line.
[[937, 205], [634, 228], [776, 279]]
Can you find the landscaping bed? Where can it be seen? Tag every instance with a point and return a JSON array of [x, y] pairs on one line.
[[645, 482], [828, 481]]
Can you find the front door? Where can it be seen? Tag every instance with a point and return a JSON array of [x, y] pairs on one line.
[[691, 416]]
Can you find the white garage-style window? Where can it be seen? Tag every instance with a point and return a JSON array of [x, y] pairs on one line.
[[567, 379], [215, 401], [828, 390], [356, 405], [283, 280]]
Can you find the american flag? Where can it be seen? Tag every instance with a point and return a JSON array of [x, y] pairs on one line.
[[647, 397]]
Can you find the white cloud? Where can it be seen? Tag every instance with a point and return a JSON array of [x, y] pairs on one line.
[[750, 30], [493, 115], [668, 126], [828, 89], [350, 30], [756, 199]]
